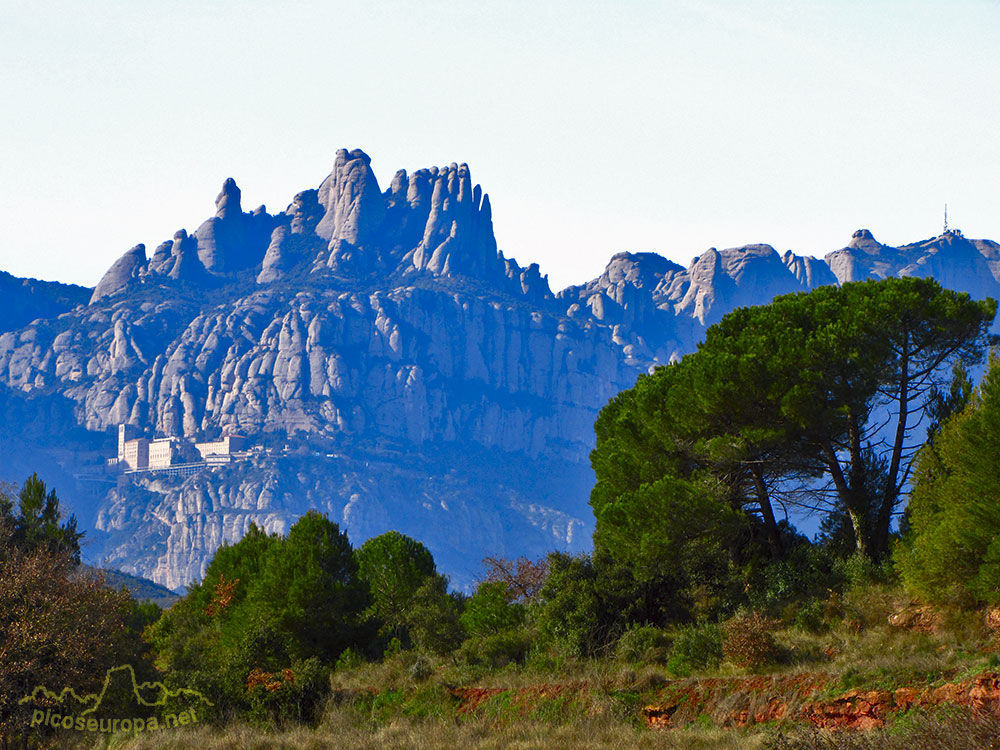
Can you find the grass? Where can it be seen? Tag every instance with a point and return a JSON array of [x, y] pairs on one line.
[[947, 730], [954, 729], [865, 651], [344, 730], [556, 700]]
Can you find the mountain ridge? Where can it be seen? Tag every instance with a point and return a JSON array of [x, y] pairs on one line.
[[28, 299], [401, 370]]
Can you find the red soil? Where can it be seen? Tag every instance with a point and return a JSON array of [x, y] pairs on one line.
[[736, 702]]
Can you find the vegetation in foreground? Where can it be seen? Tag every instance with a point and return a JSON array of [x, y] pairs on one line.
[[701, 612], [956, 730]]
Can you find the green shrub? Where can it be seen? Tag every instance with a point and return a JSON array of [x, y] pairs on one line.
[[497, 651], [433, 617], [290, 695], [657, 655], [810, 617], [951, 552], [859, 570], [748, 640], [549, 658], [569, 610], [348, 659], [393, 567], [695, 647], [266, 603], [643, 643], [783, 580], [806, 572], [489, 611], [865, 606]]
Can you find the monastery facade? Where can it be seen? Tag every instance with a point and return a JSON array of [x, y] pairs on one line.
[[137, 453]]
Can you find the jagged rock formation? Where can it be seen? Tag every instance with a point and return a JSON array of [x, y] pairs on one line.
[[121, 274], [394, 368], [957, 263], [810, 272], [232, 240]]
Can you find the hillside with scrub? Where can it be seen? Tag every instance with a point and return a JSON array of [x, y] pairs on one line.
[[701, 618]]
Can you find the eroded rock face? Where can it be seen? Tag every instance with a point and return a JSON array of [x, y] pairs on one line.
[[392, 366], [739, 276], [124, 271], [169, 529], [954, 261], [810, 272]]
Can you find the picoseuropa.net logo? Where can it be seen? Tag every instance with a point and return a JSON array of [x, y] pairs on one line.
[[69, 711]]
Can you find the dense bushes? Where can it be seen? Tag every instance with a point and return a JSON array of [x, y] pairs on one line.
[[952, 550], [489, 611], [394, 567], [59, 626], [267, 605], [434, 617], [295, 693], [497, 650], [643, 643], [696, 647]]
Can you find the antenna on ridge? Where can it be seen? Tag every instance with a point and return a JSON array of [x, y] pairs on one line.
[[946, 218]]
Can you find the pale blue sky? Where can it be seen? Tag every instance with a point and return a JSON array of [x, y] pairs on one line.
[[595, 127]]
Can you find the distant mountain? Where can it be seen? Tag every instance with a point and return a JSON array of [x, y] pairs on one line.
[[141, 589], [390, 366], [25, 300]]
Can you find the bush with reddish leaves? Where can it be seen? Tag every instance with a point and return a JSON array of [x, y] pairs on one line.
[[748, 640]]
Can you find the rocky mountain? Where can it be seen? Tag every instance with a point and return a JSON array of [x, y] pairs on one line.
[[142, 589], [25, 300], [388, 363]]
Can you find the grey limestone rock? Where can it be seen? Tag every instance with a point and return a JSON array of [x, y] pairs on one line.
[[293, 243], [810, 272], [864, 257], [389, 365], [232, 240], [739, 276], [352, 202], [955, 262], [458, 235], [124, 271], [184, 263], [227, 203]]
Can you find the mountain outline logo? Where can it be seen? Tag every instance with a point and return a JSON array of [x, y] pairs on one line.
[[87, 719]]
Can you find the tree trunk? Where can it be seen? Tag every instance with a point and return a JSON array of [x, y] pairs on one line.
[[860, 532], [880, 544], [767, 512], [847, 497], [858, 468]]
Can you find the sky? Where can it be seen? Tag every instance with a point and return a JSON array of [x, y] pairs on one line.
[[596, 127]]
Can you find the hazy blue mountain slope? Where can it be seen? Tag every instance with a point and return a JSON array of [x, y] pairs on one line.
[[387, 362], [25, 300]]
